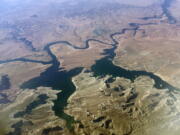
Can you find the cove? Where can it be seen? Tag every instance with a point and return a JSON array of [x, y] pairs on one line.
[[105, 66], [57, 79]]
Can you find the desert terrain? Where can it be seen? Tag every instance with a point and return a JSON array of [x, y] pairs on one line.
[[100, 67]]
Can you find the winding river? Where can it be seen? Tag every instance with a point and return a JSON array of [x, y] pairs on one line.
[[59, 79]]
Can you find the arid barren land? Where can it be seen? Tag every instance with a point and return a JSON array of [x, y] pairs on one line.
[[99, 67]]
